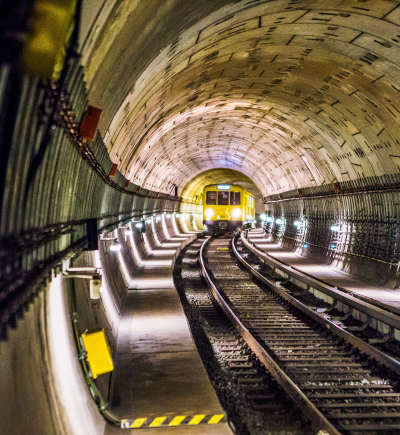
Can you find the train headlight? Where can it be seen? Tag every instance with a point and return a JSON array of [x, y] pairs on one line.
[[236, 213], [209, 213]]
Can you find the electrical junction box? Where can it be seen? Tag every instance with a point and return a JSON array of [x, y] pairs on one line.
[[98, 353], [90, 123]]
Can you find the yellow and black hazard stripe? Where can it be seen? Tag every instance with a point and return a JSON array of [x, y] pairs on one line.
[[178, 420]]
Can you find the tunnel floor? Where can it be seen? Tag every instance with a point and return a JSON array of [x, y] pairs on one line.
[[158, 371]]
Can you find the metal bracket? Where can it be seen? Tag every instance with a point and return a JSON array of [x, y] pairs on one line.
[[344, 317], [383, 339], [327, 309], [362, 327]]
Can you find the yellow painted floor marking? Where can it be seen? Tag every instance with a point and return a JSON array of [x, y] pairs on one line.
[[216, 419], [177, 420], [222, 249], [138, 422], [196, 419], [157, 421]]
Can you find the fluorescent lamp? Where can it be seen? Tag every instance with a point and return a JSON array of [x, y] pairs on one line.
[[115, 246]]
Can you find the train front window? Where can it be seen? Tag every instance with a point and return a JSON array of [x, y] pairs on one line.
[[223, 198], [211, 198], [235, 198]]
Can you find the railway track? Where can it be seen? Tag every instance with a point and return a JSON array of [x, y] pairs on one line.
[[340, 389], [252, 399]]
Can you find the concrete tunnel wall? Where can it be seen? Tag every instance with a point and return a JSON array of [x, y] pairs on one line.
[[367, 243], [42, 387], [291, 93]]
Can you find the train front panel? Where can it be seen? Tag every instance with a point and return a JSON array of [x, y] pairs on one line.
[[227, 208]]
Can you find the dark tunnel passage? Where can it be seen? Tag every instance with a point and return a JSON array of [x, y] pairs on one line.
[[297, 101]]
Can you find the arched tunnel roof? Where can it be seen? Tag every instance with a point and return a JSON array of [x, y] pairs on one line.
[[290, 93]]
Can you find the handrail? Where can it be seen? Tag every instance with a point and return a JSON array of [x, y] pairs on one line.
[[318, 421], [381, 357], [365, 307]]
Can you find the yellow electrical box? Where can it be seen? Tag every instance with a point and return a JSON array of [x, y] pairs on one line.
[[98, 353], [44, 48]]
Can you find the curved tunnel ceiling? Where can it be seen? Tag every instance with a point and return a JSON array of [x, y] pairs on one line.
[[290, 93]]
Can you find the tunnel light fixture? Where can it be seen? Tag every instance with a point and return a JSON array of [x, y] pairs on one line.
[[297, 223], [115, 246], [263, 217], [269, 219], [139, 225], [305, 245], [332, 246], [223, 187], [148, 221], [279, 221], [128, 232], [254, 222], [187, 215], [158, 219], [335, 228], [167, 215], [177, 215]]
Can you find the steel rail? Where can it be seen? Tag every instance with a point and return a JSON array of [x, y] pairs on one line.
[[369, 309], [363, 346], [317, 419]]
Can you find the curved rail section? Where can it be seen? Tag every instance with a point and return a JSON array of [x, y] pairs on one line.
[[361, 306], [318, 421], [371, 307]]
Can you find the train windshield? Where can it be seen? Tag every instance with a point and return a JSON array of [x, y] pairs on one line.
[[211, 198], [223, 198], [235, 198]]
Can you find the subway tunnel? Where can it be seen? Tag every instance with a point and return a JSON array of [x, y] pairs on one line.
[[297, 101]]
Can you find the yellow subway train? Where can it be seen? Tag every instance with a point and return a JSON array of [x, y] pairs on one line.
[[227, 207]]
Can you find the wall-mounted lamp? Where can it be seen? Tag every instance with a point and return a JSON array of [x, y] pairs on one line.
[[115, 246], [168, 216], [305, 245], [148, 221], [335, 228], [263, 217], [86, 273], [269, 219], [139, 225], [279, 221]]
